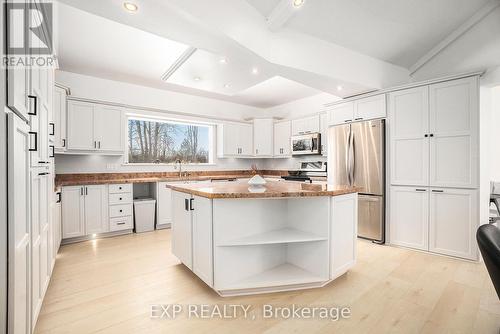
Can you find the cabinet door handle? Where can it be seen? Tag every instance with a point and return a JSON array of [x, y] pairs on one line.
[[58, 197], [53, 154], [35, 99], [35, 134], [186, 204], [348, 120], [122, 223], [420, 189], [256, 151], [191, 206], [437, 191], [358, 119], [99, 143], [86, 191], [44, 173], [64, 142], [53, 128], [81, 191], [95, 144]]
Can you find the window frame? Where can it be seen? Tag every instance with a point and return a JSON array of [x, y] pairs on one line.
[[147, 118]]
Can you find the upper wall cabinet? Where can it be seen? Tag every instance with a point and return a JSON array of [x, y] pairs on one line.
[[59, 119], [305, 125], [282, 132], [363, 109], [434, 135], [263, 137], [234, 140], [95, 128]]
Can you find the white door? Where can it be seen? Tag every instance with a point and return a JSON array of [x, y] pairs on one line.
[[409, 136], [341, 113], [73, 212], [282, 132], [453, 222], [19, 306], [44, 207], [108, 128], [96, 207], [182, 228], [36, 241], [370, 108], [323, 123], [59, 107], [245, 139], [263, 137], [164, 205], [80, 127], [409, 218], [454, 145], [202, 239]]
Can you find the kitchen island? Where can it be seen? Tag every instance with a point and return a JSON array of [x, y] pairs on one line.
[[285, 236]]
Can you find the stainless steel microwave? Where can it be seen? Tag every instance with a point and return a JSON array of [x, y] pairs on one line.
[[306, 144]]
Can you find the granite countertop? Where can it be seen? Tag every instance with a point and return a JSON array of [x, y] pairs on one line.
[[240, 189], [115, 178]]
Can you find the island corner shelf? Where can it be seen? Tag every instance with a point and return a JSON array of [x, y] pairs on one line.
[[280, 236]]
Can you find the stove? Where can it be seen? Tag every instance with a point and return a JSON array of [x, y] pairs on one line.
[[307, 170]]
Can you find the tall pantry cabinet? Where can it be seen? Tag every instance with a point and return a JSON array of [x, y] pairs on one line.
[[32, 232], [434, 167]]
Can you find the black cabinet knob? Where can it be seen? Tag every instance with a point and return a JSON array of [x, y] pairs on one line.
[[121, 210]]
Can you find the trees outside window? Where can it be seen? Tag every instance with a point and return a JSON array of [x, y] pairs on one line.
[[164, 142]]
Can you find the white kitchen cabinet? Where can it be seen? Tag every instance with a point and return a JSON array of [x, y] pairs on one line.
[[182, 230], [409, 217], [80, 127], [234, 140], [109, 128], [163, 206], [120, 207], [202, 239], [96, 209], [370, 108], [282, 133], [323, 123], [454, 131], [305, 125], [73, 214], [39, 130], [341, 113], [95, 128], [263, 137], [57, 219], [453, 222], [343, 232], [409, 143], [19, 238], [59, 112]]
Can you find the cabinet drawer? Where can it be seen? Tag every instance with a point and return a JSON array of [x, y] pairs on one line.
[[120, 188], [120, 210], [123, 223], [120, 198]]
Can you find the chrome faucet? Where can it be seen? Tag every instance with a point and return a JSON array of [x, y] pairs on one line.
[[178, 161]]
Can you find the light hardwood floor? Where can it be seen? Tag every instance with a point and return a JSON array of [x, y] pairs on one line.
[[109, 285]]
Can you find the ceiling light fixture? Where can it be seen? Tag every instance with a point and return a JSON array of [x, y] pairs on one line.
[[298, 3], [227, 85], [130, 7], [255, 70], [339, 88], [223, 61], [196, 78]]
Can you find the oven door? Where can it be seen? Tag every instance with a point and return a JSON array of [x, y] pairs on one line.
[[307, 144]]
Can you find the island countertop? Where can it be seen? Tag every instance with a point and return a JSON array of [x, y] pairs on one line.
[[241, 189]]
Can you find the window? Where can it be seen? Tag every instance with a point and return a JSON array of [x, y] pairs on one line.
[[164, 142]]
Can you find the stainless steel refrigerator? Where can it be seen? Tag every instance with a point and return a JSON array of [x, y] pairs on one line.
[[356, 157]]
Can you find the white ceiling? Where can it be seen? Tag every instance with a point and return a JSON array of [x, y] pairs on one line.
[[396, 31]]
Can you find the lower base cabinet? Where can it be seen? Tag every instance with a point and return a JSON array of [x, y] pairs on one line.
[[439, 220]]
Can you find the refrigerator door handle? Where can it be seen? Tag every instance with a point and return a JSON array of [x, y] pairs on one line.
[[347, 157], [351, 158]]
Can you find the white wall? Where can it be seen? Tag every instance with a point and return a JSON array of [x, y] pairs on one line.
[[494, 147], [302, 107], [477, 49]]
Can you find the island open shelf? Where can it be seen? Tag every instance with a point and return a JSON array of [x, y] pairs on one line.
[[256, 244]]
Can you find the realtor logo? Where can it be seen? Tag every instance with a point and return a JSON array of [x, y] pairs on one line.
[[29, 34]]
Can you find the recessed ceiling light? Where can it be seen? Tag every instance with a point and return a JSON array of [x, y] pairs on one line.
[[223, 61], [131, 7], [255, 70], [298, 3], [227, 85], [339, 87], [196, 78]]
